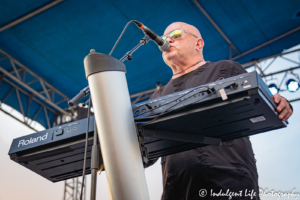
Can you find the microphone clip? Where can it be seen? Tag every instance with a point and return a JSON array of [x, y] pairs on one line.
[[145, 39]]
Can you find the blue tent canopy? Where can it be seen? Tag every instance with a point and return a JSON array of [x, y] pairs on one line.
[[53, 43]]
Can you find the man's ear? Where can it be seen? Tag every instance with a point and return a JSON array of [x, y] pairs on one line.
[[200, 44]]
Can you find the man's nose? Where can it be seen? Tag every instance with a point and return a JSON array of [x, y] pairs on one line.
[[169, 40]]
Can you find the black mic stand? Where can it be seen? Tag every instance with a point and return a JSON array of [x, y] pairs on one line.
[[95, 154], [95, 160], [127, 56]]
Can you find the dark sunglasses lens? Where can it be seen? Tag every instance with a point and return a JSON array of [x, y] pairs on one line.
[[176, 34]]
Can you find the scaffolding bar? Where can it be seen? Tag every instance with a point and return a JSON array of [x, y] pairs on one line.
[[53, 3], [266, 43], [215, 25]]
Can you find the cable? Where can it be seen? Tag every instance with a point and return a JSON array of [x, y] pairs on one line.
[[213, 92], [203, 90], [86, 145], [165, 111], [120, 36]]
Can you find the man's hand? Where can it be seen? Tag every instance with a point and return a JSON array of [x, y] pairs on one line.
[[283, 107]]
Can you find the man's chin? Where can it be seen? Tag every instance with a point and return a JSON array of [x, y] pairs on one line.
[[169, 55], [171, 50]]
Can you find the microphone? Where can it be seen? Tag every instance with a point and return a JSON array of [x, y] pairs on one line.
[[163, 45]]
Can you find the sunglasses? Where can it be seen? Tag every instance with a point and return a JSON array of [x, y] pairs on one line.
[[178, 33]]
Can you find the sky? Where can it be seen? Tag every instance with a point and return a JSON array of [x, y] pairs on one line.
[[276, 152]]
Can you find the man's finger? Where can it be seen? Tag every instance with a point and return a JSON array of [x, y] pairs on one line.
[[283, 103], [283, 113], [277, 98], [288, 115]]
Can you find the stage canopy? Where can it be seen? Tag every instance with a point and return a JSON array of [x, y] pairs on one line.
[[46, 51]]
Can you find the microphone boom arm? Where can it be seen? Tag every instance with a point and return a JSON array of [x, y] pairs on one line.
[[127, 56]]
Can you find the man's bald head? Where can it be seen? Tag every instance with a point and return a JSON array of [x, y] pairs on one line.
[[182, 25], [186, 49]]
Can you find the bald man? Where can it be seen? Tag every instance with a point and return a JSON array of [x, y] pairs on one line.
[[230, 167]]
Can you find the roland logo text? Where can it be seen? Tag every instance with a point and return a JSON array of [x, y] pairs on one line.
[[32, 140]]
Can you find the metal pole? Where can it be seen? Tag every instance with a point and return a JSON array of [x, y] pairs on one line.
[[266, 58], [73, 190], [215, 25], [116, 128], [84, 185], [65, 191], [266, 43], [94, 163], [53, 3], [76, 189], [94, 184]]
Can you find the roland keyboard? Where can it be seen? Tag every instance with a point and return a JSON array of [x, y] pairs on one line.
[[205, 115]]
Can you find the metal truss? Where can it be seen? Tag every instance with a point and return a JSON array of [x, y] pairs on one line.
[[262, 68], [269, 57], [45, 97], [29, 15], [72, 189], [21, 69], [141, 96]]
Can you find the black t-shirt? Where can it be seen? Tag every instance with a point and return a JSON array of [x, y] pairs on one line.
[[230, 166]]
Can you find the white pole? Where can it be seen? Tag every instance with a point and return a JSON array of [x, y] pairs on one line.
[[116, 128]]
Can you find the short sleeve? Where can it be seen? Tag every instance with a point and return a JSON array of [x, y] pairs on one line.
[[154, 95], [157, 93], [228, 68], [237, 69]]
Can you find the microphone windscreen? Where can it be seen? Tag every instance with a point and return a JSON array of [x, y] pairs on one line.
[[165, 46]]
